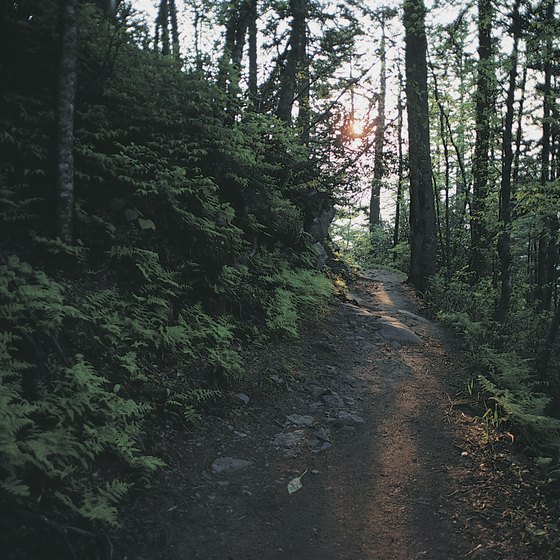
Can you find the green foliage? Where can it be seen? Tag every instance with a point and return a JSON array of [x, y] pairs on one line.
[[58, 417], [189, 241], [500, 357], [369, 249]]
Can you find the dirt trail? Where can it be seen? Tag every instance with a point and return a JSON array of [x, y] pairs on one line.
[[391, 459]]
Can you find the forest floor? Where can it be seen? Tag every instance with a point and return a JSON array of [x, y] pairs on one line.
[[371, 404]]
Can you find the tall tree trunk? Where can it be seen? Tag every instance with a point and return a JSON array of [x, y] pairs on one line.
[[400, 169], [174, 29], [303, 96], [505, 218], [162, 28], [241, 15], [519, 131], [547, 252], [295, 60], [378, 164], [485, 94], [66, 97], [253, 60], [422, 212], [444, 136]]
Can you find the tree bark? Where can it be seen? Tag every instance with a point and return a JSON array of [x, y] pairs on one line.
[[485, 94], [253, 60], [295, 60], [400, 169], [423, 237], [162, 28], [66, 97], [174, 30], [547, 251], [505, 217], [378, 169]]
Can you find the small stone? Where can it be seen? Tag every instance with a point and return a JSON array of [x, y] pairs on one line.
[[326, 445], [243, 398], [223, 483], [300, 420], [322, 435], [333, 400], [230, 464], [349, 401], [315, 471], [288, 440], [348, 419], [277, 380], [317, 391]]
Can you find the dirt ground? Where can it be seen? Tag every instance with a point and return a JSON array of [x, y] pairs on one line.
[[371, 404]]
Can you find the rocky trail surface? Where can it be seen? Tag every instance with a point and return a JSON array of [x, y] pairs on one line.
[[358, 445]]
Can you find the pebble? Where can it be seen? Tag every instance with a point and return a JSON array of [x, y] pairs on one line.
[[243, 398], [348, 419], [317, 391], [323, 435], [333, 400], [288, 440], [300, 420]]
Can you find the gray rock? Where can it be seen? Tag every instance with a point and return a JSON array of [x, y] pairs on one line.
[[299, 420], [278, 380], [321, 253], [288, 440], [333, 400], [414, 316], [229, 465], [317, 391], [349, 401], [394, 330], [348, 419], [243, 398], [323, 435]]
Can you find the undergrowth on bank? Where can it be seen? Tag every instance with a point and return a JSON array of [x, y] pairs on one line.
[[503, 358], [190, 246]]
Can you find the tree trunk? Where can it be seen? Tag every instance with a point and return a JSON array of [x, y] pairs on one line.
[[547, 252], [423, 237], [174, 29], [505, 218], [253, 60], [66, 97], [295, 60], [162, 28], [400, 170], [378, 169], [485, 88]]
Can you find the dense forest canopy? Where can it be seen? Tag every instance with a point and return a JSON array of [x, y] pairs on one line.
[[174, 181]]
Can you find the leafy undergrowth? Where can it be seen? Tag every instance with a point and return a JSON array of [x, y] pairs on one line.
[[190, 246], [509, 394]]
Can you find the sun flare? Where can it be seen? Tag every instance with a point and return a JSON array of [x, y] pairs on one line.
[[357, 128]]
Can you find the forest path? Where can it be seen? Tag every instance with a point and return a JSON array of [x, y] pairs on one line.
[[369, 407]]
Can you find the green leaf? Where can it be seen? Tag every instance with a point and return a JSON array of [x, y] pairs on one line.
[[131, 214], [146, 224]]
